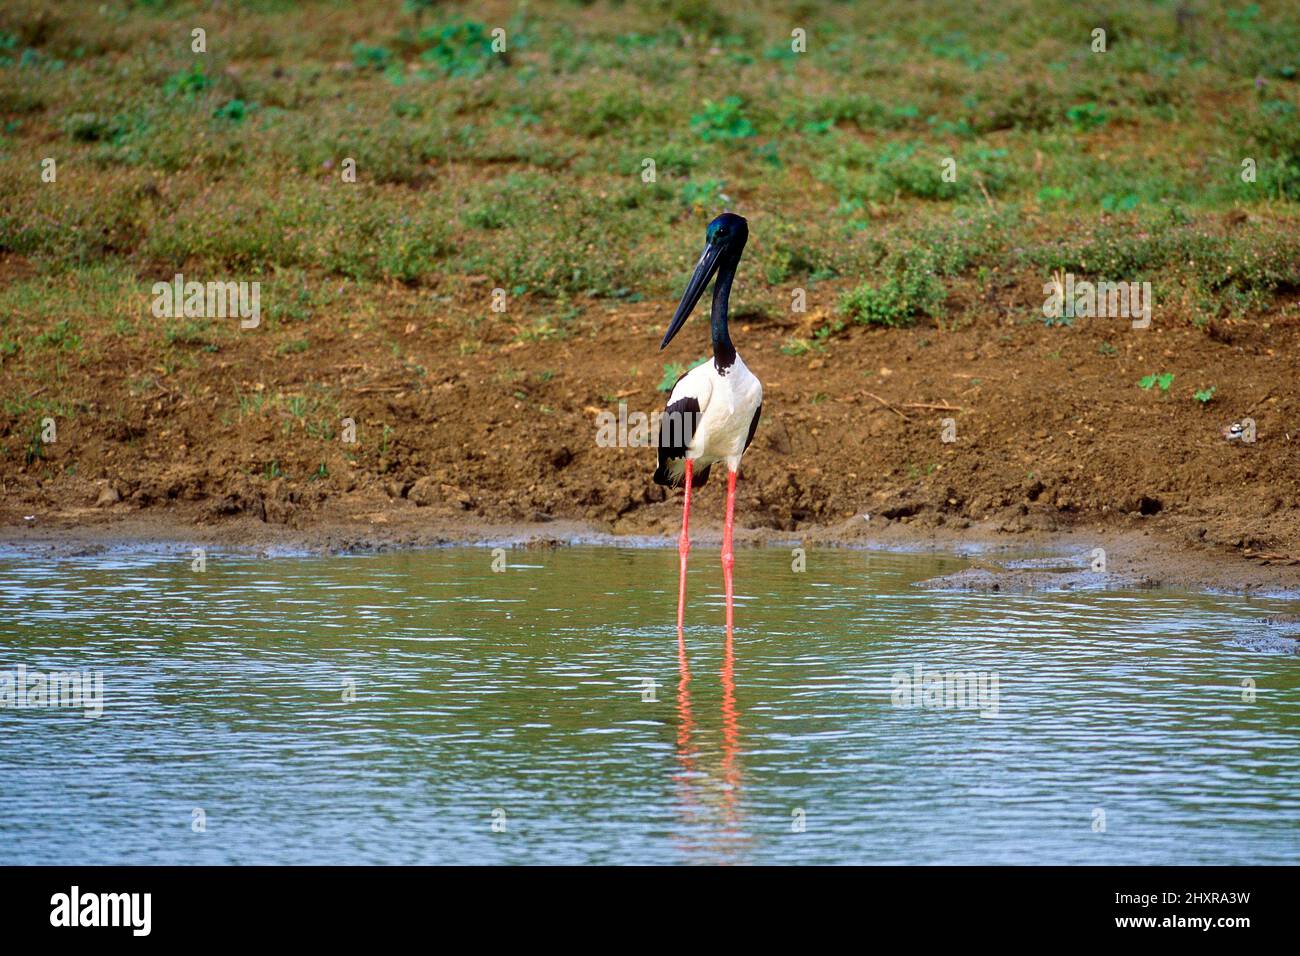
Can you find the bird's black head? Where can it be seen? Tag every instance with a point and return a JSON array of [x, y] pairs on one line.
[[728, 230], [723, 242]]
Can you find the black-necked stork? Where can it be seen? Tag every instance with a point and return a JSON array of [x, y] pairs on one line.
[[713, 409]]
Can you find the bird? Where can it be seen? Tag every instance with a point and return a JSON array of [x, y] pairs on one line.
[[713, 409], [1237, 431]]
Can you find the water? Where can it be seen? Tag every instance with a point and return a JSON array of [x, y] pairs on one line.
[[519, 698]]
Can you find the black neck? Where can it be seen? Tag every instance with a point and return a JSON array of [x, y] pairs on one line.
[[724, 353]]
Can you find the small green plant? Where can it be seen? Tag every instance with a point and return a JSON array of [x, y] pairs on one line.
[[1163, 381], [1085, 116], [672, 372], [953, 46], [1124, 203], [296, 405], [675, 370], [1205, 395], [417, 7], [234, 110], [187, 83], [723, 121], [35, 446], [770, 154], [251, 403], [897, 300], [703, 193], [371, 57], [823, 334], [486, 216], [59, 336], [459, 49], [543, 328]]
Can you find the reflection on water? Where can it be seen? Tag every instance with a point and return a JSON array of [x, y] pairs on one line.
[[389, 708], [711, 809]]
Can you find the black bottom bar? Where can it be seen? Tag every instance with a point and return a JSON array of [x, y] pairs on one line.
[[213, 905]]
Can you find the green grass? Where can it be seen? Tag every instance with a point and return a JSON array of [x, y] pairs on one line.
[[722, 121], [525, 165], [895, 301], [675, 370]]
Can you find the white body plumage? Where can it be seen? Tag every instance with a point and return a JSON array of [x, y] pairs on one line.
[[728, 404]]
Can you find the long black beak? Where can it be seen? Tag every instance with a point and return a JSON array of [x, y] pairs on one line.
[[704, 271]]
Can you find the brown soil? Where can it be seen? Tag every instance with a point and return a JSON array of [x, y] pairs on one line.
[[1053, 435]]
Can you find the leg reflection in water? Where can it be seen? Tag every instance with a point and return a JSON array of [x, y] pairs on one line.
[[710, 812], [730, 740]]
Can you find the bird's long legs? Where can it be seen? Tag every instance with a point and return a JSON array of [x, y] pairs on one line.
[[728, 559], [683, 549]]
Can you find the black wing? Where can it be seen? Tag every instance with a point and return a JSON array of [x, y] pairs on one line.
[[753, 425], [676, 427]]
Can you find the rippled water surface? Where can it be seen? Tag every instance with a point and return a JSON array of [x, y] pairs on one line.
[[550, 700]]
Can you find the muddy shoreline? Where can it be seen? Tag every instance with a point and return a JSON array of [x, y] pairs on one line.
[[1056, 445], [1027, 560]]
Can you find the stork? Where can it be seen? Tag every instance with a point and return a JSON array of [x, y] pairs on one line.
[[713, 409]]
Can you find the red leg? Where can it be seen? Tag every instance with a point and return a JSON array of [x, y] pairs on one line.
[[728, 558], [683, 549]]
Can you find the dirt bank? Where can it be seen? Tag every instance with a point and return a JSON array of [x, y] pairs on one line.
[[1054, 439]]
